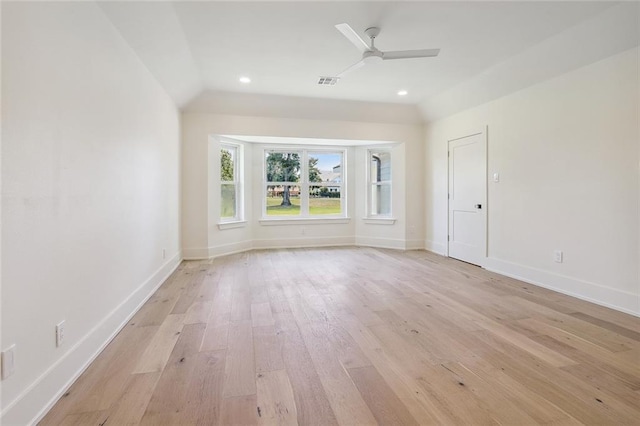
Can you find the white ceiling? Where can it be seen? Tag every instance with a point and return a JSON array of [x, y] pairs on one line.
[[196, 47]]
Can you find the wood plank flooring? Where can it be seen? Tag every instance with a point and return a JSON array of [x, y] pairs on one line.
[[359, 336]]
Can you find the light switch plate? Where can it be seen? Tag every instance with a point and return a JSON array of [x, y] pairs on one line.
[[557, 256], [8, 361], [59, 333]]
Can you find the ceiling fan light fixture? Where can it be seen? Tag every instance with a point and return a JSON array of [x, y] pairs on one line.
[[402, 93], [244, 80]]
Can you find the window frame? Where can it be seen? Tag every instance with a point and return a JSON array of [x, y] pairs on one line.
[[304, 184], [238, 182], [370, 184]]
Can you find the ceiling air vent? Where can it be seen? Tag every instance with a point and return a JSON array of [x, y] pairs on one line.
[[328, 81]]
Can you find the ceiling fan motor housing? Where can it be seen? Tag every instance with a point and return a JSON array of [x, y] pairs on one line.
[[372, 56]]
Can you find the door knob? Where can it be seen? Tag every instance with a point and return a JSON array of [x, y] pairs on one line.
[[478, 206]]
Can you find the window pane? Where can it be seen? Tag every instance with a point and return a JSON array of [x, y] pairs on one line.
[[380, 167], [324, 200], [282, 166], [227, 163], [380, 199], [283, 200], [228, 201], [325, 167]]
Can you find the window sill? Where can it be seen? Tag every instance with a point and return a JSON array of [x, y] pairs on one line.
[[379, 220], [305, 221], [232, 224]]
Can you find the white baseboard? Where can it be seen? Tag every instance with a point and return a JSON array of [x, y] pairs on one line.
[[414, 244], [591, 292], [303, 242], [390, 243], [233, 248], [435, 247], [35, 401], [195, 253]]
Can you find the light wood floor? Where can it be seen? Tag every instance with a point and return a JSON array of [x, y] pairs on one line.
[[359, 336]]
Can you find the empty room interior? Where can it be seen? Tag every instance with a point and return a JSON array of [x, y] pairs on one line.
[[319, 213]]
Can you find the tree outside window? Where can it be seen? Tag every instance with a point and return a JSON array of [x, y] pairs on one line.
[[303, 183], [229, 183]]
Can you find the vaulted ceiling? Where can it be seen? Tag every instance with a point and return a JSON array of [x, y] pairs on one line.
[[487, 48]]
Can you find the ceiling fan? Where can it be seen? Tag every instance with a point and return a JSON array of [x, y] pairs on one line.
[[371, 54]]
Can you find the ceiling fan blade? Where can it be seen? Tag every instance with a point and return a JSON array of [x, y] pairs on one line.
[[351, 68], [353, 37], [406, 54]]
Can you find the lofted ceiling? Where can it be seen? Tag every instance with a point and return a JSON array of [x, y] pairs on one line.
[[200, 47]]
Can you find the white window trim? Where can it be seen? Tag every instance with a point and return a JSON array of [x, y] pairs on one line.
[[238, 170], [379, 219], [304, 185], [305, 221], [232, 225]]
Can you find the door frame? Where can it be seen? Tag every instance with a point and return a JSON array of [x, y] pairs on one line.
[[483, 132]]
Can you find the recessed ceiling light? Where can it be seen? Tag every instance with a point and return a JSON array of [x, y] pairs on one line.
[[402, 93], [245, 80]]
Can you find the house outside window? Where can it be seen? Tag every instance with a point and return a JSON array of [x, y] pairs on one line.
[[379, 183]]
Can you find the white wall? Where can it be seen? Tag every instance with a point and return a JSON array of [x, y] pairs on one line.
[[201, 236], [567, 151], [90, 174]]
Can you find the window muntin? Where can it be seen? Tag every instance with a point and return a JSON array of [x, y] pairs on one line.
[[304, 183], [230, 183], [379, 183]]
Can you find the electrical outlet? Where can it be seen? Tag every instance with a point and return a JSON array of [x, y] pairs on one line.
[[60, 334], [557, 256], [8, 361]]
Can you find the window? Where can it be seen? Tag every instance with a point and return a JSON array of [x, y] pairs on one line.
[[379, 183], [230, 183], [304, 183]]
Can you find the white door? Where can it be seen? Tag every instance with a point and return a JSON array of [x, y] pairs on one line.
[[467, 198]]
